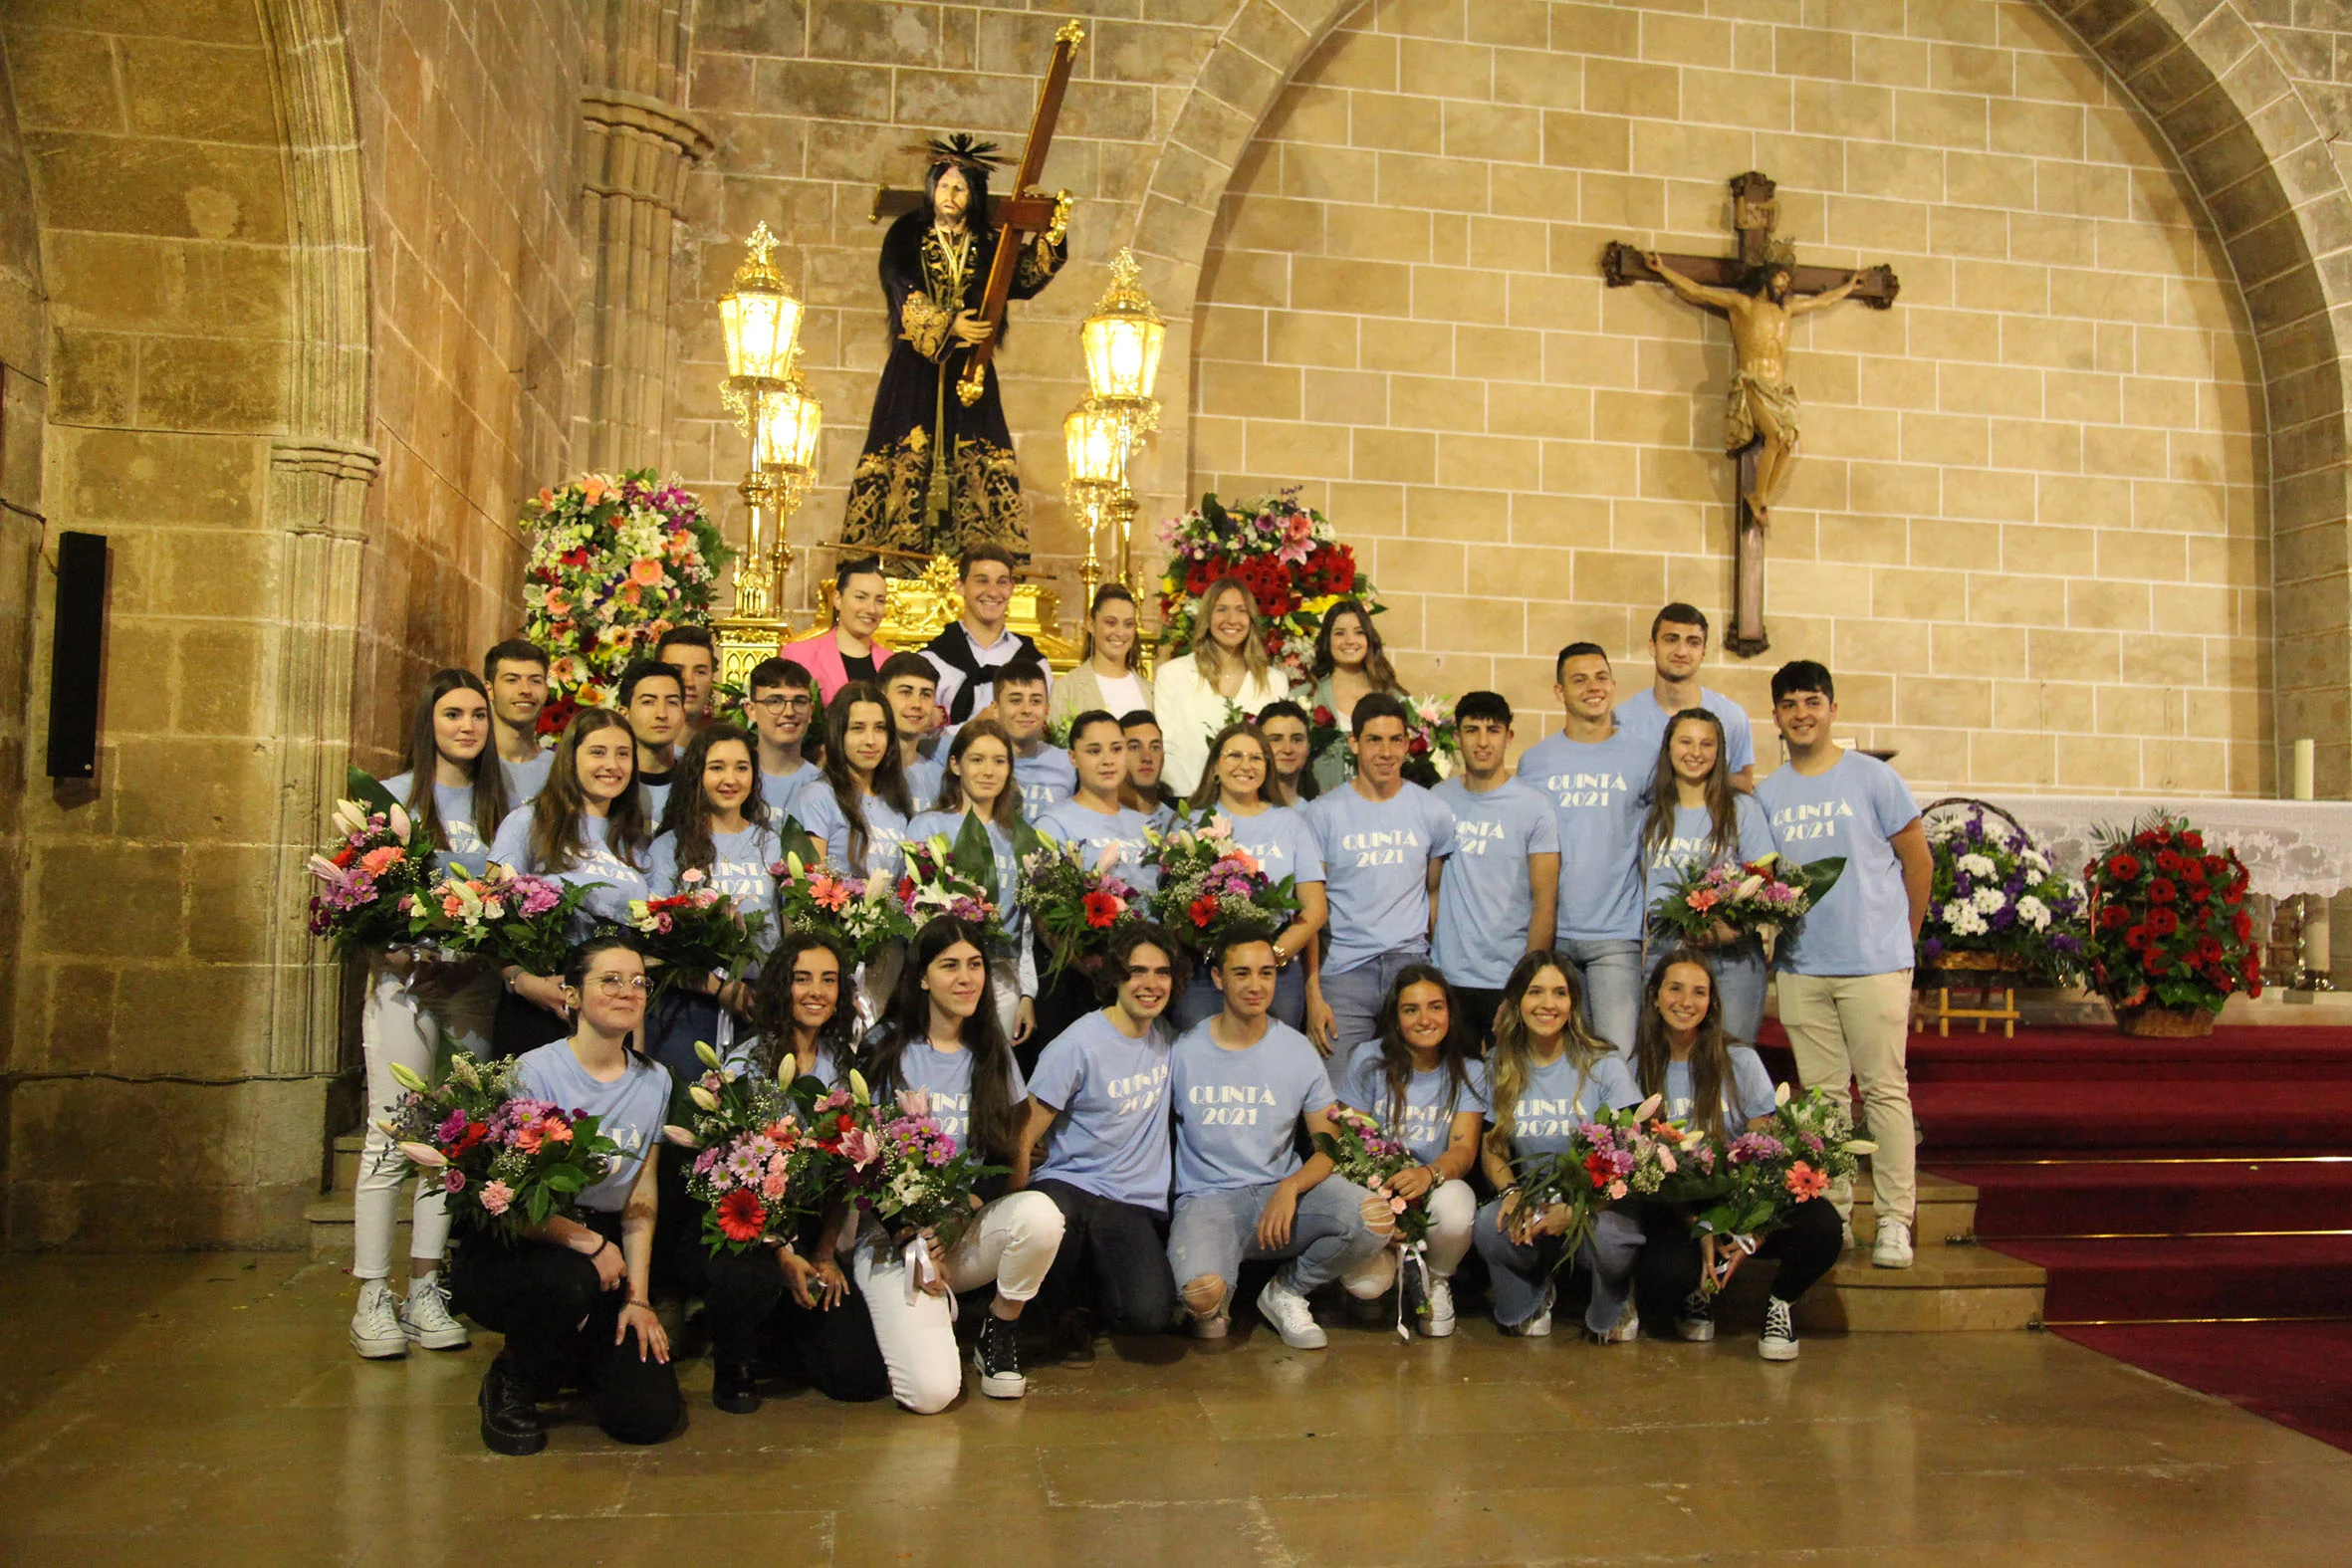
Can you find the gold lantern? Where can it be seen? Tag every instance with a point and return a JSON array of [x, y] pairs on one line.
[[776, 411], [1122, 341], [1096, 441]]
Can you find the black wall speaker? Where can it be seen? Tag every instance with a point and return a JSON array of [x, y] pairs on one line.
[[77, 655]]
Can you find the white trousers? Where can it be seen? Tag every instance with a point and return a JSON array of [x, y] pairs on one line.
[[1012, 1242], [405, 1022], [1452, 1211]]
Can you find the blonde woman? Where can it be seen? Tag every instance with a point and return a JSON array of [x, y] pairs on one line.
[[1222, 676], [1109, 673]]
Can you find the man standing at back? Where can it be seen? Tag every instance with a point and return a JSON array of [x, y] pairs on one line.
[[974, 647], [516, 673], [1678, 646]]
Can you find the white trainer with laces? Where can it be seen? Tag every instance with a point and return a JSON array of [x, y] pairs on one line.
[[376, 1323], [1438, 1321], [1893, 1250], [1536, 1327], [1290, 1316], [1780, 1332], [425, 1319]]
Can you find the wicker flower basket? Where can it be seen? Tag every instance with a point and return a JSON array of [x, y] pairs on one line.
[[1982, 963], [2156, 1021]]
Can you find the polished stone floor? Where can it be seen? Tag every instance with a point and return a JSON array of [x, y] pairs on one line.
[[188, 1411]]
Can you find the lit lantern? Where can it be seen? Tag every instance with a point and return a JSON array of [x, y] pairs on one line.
[[789, 423], [1124, 338], [1096, 439], [759, 315]]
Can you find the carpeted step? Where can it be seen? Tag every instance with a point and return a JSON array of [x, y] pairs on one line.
[[2073, 1055], [2199, 1279], [2132, 1119], [2096, 1198]]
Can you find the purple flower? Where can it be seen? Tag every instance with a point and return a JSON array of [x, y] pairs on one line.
[[452, 1179]]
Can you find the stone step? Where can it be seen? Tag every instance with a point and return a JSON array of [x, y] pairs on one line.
[[1947, 1290], [330, 1222], [347, 1162], [1947, 1212]]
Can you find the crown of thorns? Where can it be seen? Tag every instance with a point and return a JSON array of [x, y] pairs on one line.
[[961, 151]]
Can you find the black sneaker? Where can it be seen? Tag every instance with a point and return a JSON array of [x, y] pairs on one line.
[[997, 1357], [735, 1388], [1695, 1321], [1073, 1338], [510, 1416]]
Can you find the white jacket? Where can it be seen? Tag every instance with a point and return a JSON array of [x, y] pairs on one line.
[[1191, 712]]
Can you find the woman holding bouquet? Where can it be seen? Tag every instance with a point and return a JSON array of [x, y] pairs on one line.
[[587, 828], [1239, 787], [1094, 818], [1681, 1055], [1696, 819], [455, 795], [1225, 667], [571, 1296], [1547, 1073], [1349, 665], [860, 807], [799, 1029], [978, 786], [941, 1039], [1421, 1079]]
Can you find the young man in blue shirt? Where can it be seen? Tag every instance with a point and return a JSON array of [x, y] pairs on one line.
[[1678, 645], [1845, 967], [1500, 898], [516, 673], [1042, 770], [1596, 774], [782, 703]]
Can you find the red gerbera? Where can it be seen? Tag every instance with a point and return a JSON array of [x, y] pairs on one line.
[[2163, 921], [1102, 910], [2124, 868], [2208, 951], [742, 1216], [1197, 580], [2113, 917], [1204, 910], [2156, 962], [1325, 718], [2193, 841], [2162, 891], [2167, 862], [1599, 1170]]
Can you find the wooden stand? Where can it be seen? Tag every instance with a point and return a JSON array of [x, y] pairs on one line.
[[1986, 974]]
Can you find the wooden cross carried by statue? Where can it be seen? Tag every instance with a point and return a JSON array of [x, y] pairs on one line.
[[1761, 290]]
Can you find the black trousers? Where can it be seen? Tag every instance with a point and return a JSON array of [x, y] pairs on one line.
[[673, 1026], [1670, 1263], [1062, 1001], [752, 1316], [1114, 1258], [558, 1323], [518, 1027], [1480, 1006]]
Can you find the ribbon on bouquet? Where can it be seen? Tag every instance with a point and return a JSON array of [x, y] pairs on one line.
[[1410, 1255], [922, 1272], [1718, 1277]]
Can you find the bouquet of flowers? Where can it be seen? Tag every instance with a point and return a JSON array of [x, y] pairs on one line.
[[934, 884], [1768, 1171], [1433, 750], [1614, 1155], [755, 1169], [1744, 896], [1074, 906], [1210, 886], [507, 1163], [861, 916], [2168, 921], [1995, 893], [1368, 1157], [512, 917], [369, 876], [615, 564], [894, 1162], [697, 931], [1289, 555]]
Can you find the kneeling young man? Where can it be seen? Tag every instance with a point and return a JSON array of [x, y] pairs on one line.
[[1243, 1084]]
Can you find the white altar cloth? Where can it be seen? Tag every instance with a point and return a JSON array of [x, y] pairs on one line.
[[2288, 846]]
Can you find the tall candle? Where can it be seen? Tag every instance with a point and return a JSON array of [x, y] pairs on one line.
[[2306, 768]]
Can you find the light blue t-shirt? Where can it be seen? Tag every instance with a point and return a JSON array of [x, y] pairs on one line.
[[739, 869], [1748, 1097], [657, 798], [949, 825], [1070, 823], [621, 882], [780, 790], [1596, 789], [1046, 780], [1237, 1111], [1376, 856], [1111, 1138], [946, 1076], [1557, 1097], [455, 803], [1485, 902], [1162, 817], [1643, 715], [1430, 1100], [821, 812], [740, 1059], [525, 779], [1690, 846], [923, 780], [630, 1110], [1282, 839], [1854, 810]]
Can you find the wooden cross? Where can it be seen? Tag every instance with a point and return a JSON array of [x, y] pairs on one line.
[[1016, 215], [1754, 212]]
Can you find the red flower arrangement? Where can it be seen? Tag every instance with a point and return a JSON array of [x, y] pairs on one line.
[[1288, 554], [2169, 928]]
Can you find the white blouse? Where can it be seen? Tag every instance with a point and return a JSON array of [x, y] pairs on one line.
[[1191, 712]]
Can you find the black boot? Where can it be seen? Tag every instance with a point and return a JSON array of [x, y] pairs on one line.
[[735, 1388], [510, 1416]]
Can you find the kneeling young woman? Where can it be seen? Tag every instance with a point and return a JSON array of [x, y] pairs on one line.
[[571, 1297], [1682, 1056]]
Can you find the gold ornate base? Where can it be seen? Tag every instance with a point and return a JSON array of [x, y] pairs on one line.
[[923, 606], [744, 641]]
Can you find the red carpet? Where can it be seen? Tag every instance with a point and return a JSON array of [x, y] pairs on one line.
[[2165, 1185]]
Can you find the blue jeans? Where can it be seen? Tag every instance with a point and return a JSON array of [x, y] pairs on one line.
[[1214, 1234], [1739, 977], [1522, 1271], [1202, 999], [1355, 997], [1608, 973]]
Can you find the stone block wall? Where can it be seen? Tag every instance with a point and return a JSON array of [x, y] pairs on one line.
[[2030, 529]]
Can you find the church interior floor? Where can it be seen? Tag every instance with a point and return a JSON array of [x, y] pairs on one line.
[[194, 1410]]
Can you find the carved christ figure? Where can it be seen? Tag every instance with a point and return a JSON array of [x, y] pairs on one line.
[[1762, 403]]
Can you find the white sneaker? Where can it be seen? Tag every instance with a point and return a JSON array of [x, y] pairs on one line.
[[1214, 1326], [1536, 1327], [425, 1319], [376, 1323], [1846, 1232], [1625, 1331], [1894, 1244], [1288, 1311], [1780, 1332], [1438, 1321]]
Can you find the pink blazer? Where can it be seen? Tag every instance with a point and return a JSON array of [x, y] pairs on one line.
[[821, 656]]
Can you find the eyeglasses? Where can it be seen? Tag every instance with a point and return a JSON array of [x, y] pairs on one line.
[[619, 985], [776, 705]]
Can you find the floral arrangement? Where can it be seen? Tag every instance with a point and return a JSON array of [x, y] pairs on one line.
[[1365, 1155], [615, 564], [368, 877], [934, 884], [895, 1163], [507, 1163], [1614, 1155], [1211, 887], [1744, 897], [861, 916], [1766, 1171], [2168, 919], [1074, 906], [1995, 892], [696, 931], [1289, 555], [512, 916], [755, 1170], [1433, 748]]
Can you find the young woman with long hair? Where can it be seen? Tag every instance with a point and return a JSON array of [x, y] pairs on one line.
[[1225, 667], [849, 649], [1350, 664], [978, 786], [455, 794], [1291, 743], [1548, 1072], [1095, 820], [941, 1039], [1239, 790], [1696, 819], [862, 805], [716, 835], [1421, 1079], [1681, 1055], [1109, 673]]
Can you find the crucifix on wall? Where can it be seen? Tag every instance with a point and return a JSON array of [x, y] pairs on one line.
[[1760, 290]]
